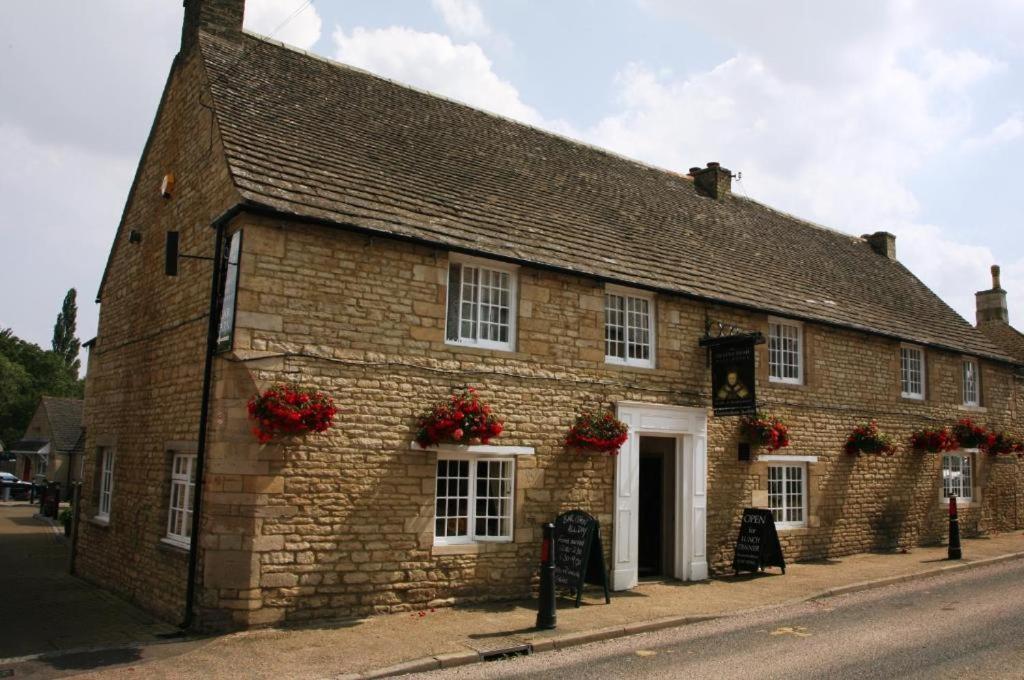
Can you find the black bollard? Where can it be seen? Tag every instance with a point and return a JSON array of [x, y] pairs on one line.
[[955, 553], [546, 605]]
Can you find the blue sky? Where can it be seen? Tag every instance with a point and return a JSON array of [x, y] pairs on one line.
[[905, 116]]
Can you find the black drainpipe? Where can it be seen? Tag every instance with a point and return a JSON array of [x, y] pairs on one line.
[[212, 326]]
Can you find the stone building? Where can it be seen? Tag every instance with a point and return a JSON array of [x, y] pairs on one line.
[[387, 246], [51, 447]]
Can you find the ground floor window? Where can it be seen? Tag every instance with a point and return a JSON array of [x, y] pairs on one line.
[[473, 500], [787, 494], [956, 476], [183, 487]]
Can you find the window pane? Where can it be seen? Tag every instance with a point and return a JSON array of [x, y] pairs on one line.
[[614, 326], [451, 505], [227, 312], [454, 292]]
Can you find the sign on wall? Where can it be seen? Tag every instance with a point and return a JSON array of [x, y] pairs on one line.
[[732, 375]]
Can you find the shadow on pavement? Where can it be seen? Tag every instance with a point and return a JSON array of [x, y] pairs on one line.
[[82, 661]]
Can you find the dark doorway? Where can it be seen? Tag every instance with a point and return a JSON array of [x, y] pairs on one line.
[[656, 516]]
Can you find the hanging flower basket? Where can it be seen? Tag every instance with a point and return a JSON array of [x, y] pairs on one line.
[[933, 441], [1004, 443], [461, 419], [287, 409], [767, 432], [972, 436], [598, 433], [867, 438]]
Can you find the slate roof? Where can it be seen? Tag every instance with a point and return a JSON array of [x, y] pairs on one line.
[[65, 418], [316, 139], [1006, 337]]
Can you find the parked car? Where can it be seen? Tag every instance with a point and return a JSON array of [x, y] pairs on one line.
[[19, 488]]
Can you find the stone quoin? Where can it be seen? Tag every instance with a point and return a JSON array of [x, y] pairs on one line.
[[386, 247]]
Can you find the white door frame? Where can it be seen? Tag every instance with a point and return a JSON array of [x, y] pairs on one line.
[[688, 426]]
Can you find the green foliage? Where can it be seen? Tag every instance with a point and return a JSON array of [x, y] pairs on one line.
[[27, 372], [65, 344]]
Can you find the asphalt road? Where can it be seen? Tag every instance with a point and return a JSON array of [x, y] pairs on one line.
[[969, 624]]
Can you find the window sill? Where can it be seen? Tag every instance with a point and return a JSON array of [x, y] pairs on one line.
[[504, 349], [173, 546], [779, 382], [472, 548], [972, 408], [616, 363], [477, 449], [912, 398], [791, 527], [103, 522], [783, 458]]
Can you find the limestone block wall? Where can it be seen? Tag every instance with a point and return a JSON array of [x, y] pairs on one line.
[[340, 524], [145, 371]]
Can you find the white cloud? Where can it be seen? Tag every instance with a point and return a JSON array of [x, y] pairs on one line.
[[433, 62], [1007, 131], [829, 115], [295, 22], [463, 17]]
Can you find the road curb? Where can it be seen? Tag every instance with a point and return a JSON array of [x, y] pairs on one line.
[[437, 662]]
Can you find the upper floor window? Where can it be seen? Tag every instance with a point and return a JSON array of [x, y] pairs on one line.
[[183, 487], [912, 372], [628, 328], [785, 352], [474, 499], [971, 391], [106, 483], [787, 494], [481, 305]]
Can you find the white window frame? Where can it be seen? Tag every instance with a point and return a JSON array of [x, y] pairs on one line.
[[187, 481], [777, 322], [804, 487], [513, 311], [904, 351], [106, 497], [471, 535], [652, 327], [963, 455], [976, 376]]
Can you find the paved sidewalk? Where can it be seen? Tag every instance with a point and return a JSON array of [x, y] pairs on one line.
[[457, 635], [42, 608]]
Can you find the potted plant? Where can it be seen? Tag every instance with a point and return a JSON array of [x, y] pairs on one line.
[[461, 419], [65, 519], [767, 432], [867, 438], [933, 441], [972, 436], [1004, 443], [597, 433], [287, 409]]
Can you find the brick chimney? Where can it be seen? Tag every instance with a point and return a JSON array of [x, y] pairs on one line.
[[714, 180], [991, 304], [883, 243], [219, 17]]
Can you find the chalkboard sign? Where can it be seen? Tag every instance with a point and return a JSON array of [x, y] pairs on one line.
[[579, 558], [758, 544]]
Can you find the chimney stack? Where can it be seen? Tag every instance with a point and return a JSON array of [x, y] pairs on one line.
[[991, 304], [219, 17], [714, 180], [883, 243]]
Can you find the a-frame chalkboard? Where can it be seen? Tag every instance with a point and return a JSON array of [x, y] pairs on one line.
[[579, 558], [758, 545]]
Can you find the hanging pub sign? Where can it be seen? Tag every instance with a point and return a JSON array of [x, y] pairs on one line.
[[732, 373]]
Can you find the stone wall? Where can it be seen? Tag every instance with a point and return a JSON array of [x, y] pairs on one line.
[[340, 524], [145, 372]]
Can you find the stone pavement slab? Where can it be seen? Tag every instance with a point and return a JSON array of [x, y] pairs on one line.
[[419, 641], [45, 610]]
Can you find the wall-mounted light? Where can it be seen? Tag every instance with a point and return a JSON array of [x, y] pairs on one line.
[[167, 185]]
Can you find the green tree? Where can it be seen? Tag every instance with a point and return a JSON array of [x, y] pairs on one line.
[[65, 344], [27, 372]]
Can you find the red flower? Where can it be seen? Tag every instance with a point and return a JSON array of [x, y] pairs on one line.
[[462, 418], [290, 410], [602, 434]]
